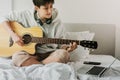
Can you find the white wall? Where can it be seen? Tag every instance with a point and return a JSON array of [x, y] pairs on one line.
[[3, 8], [85, 11], [22, 4], [89, 11]]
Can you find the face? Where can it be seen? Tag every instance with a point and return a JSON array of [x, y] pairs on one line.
[[45, 11]]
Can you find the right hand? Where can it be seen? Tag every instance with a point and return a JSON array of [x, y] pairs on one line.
[[17, 39]]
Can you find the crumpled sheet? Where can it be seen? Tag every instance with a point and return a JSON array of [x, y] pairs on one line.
[[52, 71]]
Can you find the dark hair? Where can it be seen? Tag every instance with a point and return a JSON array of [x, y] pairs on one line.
[[38, 3]]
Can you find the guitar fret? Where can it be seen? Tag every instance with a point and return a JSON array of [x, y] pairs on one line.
[[44, 40], [47, 40], [54, 41], [51, 40]]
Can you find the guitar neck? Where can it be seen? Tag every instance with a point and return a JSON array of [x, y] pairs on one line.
[[53, 41], [85, 43]]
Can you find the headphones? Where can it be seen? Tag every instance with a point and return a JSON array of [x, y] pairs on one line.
[[48, 21]]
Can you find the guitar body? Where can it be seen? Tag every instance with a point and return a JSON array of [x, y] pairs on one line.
[[6, 50]]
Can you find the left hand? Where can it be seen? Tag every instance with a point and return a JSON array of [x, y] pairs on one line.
[[70, 47]]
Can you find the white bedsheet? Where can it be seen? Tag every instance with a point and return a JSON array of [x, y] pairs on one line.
[[53, 71], [59, 71]]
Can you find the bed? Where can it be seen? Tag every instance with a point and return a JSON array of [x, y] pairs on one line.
[[58, 71], [74, 70]]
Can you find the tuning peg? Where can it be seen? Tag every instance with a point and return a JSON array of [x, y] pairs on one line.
[[91, 49]]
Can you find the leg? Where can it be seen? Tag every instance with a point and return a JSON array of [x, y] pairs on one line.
[[23, 58], [59, 55]]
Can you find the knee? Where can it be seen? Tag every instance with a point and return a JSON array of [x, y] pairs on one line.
[[19, 57], [62, 52], [63, 55]]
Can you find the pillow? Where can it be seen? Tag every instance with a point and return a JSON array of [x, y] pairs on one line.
[[80, 52]]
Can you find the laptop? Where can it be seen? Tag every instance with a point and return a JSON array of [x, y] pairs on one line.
[[94, 70], [99, 70]]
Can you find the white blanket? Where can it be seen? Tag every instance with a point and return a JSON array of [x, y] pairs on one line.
[[53, 71]]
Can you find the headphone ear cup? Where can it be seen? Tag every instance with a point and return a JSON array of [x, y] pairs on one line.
[[49, 21], [40, 22]]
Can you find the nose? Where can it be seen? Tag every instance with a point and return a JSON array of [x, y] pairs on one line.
[[50, 10]]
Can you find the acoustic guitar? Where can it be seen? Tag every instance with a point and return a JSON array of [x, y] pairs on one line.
[[32, 36]]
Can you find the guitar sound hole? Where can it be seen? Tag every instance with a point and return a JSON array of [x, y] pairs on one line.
[[27, 39]]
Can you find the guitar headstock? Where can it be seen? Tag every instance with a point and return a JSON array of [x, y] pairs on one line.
[[89, 44]]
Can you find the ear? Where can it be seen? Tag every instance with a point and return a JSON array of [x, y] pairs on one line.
[[36, 8]]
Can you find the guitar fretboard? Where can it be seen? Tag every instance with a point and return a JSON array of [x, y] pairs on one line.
[[54, 41]]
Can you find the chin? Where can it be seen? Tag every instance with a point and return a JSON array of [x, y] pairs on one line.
[[48, 16]]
